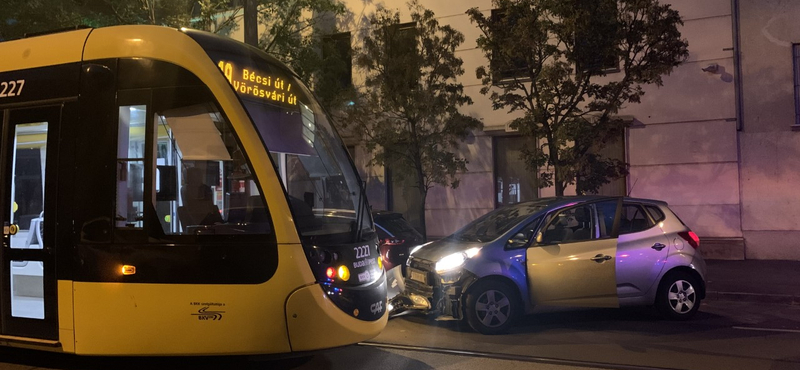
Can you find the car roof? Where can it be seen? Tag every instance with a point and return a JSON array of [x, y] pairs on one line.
[[558, 202]]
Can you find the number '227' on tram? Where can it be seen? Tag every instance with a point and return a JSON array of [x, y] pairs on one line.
[[173, 192]]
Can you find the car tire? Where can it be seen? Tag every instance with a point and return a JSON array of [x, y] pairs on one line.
[[678, 296], [492, 307]]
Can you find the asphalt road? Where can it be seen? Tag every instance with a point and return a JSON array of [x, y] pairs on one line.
[[724, 335]]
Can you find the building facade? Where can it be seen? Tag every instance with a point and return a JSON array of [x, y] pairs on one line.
[[716, 141]]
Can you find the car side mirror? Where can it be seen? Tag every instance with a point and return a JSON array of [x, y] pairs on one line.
[[517, 241], [539, 238]]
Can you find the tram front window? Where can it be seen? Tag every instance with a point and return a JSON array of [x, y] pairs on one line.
[[322, 186], [320, 182], [200, 180]]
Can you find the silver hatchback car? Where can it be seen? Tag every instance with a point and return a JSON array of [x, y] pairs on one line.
[[586, 251]]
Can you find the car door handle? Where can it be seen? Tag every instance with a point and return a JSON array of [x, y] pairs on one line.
[[658, 246], [600, 258]]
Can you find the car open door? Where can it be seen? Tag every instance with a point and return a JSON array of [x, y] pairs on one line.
[[572, 262]]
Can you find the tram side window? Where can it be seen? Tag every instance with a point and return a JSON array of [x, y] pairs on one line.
[[200, 180]]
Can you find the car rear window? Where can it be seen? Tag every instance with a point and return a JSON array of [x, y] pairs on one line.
[[655, 213], [396, 225]]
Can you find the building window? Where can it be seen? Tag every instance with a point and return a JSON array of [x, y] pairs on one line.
[[514, 183], [338, 56], [402, 45], [796, 55], [595, 49], [502, 69]]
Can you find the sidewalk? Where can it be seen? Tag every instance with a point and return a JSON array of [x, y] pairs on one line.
[[754, 281]]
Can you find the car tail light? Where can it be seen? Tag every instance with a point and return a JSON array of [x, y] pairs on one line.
[[392, 241], [691, 237]]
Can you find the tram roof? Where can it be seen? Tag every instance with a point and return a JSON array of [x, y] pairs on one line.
[[84, 44]]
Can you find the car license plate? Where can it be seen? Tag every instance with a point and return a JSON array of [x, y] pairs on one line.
[[417, 275]]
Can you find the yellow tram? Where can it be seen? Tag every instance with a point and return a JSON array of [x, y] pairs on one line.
[[173, 192]]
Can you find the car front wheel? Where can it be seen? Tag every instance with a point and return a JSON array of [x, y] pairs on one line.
[[492, 307], [678, 296]]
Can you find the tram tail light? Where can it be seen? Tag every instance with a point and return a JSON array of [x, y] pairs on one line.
[[344, 273], [330, 273]]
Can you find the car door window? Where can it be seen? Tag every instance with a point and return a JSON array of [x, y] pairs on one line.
[[571, 225], [606, 212], [633, 219]]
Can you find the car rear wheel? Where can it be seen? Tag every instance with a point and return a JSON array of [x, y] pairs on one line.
[[492, 307], [678, 296]]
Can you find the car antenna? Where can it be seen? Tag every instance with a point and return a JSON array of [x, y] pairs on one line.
[[632, 186]]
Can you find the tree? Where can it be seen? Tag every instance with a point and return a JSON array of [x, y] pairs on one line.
[[407, 112], [21, 17], [291, 28], [549, 59]]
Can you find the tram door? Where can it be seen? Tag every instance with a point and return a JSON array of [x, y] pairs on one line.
[[28, 273]]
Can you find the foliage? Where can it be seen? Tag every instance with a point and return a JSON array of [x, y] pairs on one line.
[[291, 28], [288, 31], [408, 110], [550, 59], [29, 16]]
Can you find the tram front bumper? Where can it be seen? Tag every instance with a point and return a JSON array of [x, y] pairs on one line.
[[314, 322]]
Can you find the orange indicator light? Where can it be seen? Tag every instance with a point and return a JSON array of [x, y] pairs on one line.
[[128, 269], [344, 273]]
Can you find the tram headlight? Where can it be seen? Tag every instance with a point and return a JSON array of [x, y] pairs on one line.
[[344, 273]]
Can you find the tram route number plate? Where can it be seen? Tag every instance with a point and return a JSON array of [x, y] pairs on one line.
[[418, 275]]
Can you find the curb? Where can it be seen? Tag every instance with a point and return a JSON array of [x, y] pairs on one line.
[[754, 297]]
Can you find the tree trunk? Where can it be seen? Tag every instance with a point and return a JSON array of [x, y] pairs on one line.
[[424, 195], [251, 22], [558, 183], [559, 188]]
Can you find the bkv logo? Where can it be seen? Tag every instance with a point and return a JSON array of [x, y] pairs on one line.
[[376, 307], [205, 314]]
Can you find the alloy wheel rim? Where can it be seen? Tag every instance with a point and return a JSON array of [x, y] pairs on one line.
[[682, 297], [493, 308]]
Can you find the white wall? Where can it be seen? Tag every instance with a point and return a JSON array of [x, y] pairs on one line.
[[686, 151], [770, 150]]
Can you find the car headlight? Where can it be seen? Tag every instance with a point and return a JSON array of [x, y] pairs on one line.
[[455, 260]]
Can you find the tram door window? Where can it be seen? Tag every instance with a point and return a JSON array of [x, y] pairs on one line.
[[27, 212], [27, 262]]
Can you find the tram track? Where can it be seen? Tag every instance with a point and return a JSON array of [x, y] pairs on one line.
[[509, 357]]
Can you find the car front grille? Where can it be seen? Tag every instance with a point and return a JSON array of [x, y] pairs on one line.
[[417, 287], [421, 264]]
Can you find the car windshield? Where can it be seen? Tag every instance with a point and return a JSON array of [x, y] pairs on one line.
[[496, 223], [320, 180]]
